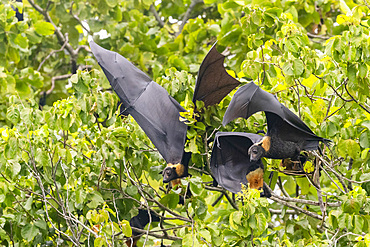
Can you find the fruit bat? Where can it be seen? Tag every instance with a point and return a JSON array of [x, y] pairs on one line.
[[287, 135], [157, 113], [231, 165], [213, 84], [140, 221]]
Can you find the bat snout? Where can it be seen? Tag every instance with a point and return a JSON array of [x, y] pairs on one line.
[[253, 158], [168, 174]]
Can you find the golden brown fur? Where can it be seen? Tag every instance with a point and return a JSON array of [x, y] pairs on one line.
[[179, 168], [266, 143], [255, 179]]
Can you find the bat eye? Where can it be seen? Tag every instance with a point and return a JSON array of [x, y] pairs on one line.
[[254, 151], [168, 172]]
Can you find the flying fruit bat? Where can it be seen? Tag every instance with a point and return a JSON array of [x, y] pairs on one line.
[[287, 135], [155, 111], [231, 165], [148, 103]]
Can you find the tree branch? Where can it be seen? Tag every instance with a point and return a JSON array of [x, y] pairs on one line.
[[223, 191], [187, 15], [363, 107], [156, 15]]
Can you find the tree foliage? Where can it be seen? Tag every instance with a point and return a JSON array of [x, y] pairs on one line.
[[73, 172]]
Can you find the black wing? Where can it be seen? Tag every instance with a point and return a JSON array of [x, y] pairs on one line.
[[250, 99], [154, 110], [230, 162], [213, 82]]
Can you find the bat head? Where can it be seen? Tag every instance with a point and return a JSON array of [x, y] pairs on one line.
[[255, 181], [256, 152], [173, 171]]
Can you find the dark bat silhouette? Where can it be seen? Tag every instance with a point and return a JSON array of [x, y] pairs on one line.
[[140, 221], [213, 82], [148, 103], [287, 135], [230, 162], [155, 111]]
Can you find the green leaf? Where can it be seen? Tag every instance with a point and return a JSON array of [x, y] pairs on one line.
[[304, 185], [298, 67], [170, 200], [29, 231], [126, 228], [42, 157], [362, 70], [287, 69], [28, 204], [195, 187], [99, 242], [200, 207], [292, 45], [352, 70], [190, 240], [349, 147], [16, 168], [365, 139], [13, 115], [261, 222], [96, 199], [132, 190], [22, 87], [351, 206], [21, 41], [41, 224], [44, 28]]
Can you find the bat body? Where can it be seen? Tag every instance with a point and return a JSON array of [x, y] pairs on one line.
[[213, 84], [140, 221], [155, 111], [230, 162], [287, 135], [148, 103]]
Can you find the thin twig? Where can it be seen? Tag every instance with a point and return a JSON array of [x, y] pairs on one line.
[[187, 15], [363, 107], [54, 51], [156, 15], [223, 191]]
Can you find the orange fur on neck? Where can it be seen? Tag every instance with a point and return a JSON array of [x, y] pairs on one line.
[[255, 179], [175, 182], [266, 143], [180, 169]]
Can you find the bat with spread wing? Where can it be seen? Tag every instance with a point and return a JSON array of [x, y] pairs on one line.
[[148, 103], [287, 135], [157, 113], [213, 84], [231, 165]]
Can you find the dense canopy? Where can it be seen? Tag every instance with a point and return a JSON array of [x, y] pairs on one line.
[[73, 172]]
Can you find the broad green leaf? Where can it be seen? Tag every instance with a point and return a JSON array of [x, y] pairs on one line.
[[126, 229], [170, 200], [351, 206], [99, 242], [96, 199], [190, 240], [41, 224], [44, 28], [29, 232], [298, 67]]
